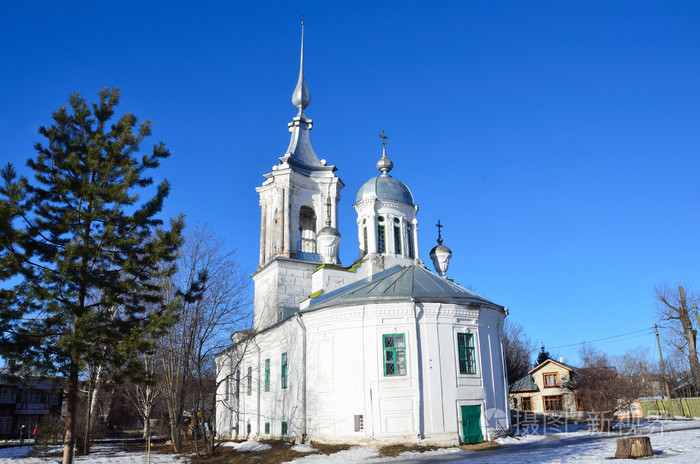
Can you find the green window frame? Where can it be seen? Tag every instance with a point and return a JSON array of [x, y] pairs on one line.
[[267, 375], [267, 428], [465, 348], [283, 373], [394, 346], [284, 428]]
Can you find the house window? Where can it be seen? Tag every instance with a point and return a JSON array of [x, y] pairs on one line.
[[553, 403], [397, 237], [409, 240], [284, 428], [8, 395], [465, 347], [551, 379], [579, 404], [394, 355], [5, 424], [31, 396], [250, 380], [267, 375], [381, 236], [267, 428], [526, 403], [283, 374]]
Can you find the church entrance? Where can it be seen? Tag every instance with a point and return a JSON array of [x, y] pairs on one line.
[[471, 424]]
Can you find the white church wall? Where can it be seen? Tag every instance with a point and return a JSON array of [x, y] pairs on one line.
[[345, 375]]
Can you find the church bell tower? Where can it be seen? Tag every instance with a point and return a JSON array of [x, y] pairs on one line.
[[297, 199]]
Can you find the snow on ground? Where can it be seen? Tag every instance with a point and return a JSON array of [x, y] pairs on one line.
[[674, 442], [248, 446], [303, 448], [103, 454]]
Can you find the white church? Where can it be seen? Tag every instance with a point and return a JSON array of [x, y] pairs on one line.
[[381, 351]]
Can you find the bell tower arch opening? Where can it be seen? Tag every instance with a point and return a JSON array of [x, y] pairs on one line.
[[307, 230]]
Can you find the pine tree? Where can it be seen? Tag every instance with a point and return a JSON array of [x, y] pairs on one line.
[[542, 356], [80, 254]]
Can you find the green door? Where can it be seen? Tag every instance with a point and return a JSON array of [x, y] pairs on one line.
[[471, 424]]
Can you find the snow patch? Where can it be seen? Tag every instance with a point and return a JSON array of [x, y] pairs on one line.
[[304, 448], [354, 454], [247, 446]]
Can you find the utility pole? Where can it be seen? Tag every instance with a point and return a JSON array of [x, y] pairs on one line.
[[663, 372]]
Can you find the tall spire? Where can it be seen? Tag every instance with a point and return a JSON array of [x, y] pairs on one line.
[[301, 96]]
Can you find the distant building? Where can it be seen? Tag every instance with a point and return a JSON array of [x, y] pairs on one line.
[[544, 391], [26, 401], [383, 350]]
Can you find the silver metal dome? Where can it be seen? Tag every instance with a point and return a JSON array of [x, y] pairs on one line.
[[385, 188]]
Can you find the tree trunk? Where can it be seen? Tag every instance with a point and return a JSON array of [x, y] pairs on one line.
[[71, 408], [93, 389], [690, 338], [636, 447]]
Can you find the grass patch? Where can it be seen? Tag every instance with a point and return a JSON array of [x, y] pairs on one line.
[[395, 450], [281, 452], [484, 445]]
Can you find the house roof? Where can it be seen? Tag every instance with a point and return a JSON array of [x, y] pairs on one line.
[[526, 383], [558, 363], [401, 284]]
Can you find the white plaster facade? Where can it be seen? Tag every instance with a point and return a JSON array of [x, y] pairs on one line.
[[345, 379]]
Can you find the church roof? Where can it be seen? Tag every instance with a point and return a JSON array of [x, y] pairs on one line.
[[401, 284], [385, 188]]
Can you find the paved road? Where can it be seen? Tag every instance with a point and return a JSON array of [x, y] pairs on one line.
[[560, 446]]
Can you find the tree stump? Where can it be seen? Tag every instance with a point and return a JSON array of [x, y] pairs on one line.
[[635, 447]]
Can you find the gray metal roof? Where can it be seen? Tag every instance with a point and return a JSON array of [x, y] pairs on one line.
[[385, 187], [401, 284], [527, 383]]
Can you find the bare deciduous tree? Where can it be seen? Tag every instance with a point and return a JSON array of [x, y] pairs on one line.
[[518, 348], [604, 391], [638, 366], [206, 321], [143, 391], [673, 307]]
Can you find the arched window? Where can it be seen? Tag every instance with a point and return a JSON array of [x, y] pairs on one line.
[[397, 236], [307, 230], [381, 236]]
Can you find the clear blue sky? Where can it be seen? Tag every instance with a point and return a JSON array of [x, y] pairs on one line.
[[557, 141]]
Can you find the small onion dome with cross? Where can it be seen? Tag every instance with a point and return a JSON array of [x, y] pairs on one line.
[[440, 254], [328, 239]]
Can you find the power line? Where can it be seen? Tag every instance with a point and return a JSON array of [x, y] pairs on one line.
[[648, 329]]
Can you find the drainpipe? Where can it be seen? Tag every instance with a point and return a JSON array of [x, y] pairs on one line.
[[303, 378], [421, 413]]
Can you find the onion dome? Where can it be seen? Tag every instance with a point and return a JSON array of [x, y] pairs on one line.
[[440, 255], [328, 239], [385, 187]]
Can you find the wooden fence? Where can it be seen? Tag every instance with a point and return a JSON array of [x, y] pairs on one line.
[[688, 407]]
